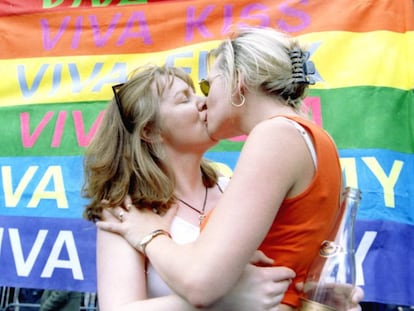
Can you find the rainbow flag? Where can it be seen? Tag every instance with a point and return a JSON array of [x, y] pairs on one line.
[[59, 58]]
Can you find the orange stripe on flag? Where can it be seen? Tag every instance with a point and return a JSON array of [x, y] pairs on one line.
[[161, 26]]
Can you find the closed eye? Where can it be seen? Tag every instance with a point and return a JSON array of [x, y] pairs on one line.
[[185, 100], [184, 96]]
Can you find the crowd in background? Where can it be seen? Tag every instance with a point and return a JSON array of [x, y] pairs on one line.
[[29, 299]]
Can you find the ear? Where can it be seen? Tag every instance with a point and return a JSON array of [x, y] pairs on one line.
[[239, 87], [146, 134], [149, 135]]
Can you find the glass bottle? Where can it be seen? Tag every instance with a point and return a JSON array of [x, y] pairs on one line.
[[331, 277]]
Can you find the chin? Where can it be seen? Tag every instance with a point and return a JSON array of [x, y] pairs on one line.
[[211, 136]]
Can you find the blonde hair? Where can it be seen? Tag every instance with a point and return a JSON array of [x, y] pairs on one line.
[[260, 57], [120, 162]]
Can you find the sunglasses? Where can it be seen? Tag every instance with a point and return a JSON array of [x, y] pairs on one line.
[[205, 85], [127, 124]]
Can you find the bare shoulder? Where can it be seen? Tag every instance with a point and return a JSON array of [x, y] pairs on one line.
[[278, 151], [276, 131]]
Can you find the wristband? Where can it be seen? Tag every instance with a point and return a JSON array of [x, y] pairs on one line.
[[149, 237]]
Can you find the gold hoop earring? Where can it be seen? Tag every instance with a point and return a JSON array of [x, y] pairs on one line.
[[242, 102]]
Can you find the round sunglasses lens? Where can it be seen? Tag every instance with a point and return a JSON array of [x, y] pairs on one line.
[[204, 87]]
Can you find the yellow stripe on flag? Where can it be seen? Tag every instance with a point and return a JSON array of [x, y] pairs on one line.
[[86, 78], [343, 59], [380, 58]]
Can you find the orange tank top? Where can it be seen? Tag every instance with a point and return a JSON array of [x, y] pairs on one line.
[[304, 221]]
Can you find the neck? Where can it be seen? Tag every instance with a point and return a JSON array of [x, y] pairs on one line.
[[260, 107], [190, 191], [200, 211], [188, 177]]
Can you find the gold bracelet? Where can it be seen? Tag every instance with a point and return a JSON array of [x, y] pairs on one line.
[[149, 237]]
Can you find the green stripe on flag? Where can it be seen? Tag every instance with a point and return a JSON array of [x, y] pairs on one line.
[[369, 117], [48, 129], [356, 117]]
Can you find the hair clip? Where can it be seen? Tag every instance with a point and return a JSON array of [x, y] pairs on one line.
[[302, 67]]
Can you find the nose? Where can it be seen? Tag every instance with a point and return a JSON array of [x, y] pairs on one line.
[[201, 103]]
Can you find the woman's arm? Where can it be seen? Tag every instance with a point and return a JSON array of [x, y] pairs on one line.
[[257, 290], [122, 284], [205, 270], [120, 272], [121, 279]]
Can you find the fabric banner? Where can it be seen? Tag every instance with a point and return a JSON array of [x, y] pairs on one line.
[[59, 59]]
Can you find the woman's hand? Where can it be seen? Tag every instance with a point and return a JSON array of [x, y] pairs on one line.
[[356, 295], [133, 223], [260, 259], [259, 288]]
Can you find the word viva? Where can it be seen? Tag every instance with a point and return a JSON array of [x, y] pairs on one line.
[[57, 75], [48, 182], [55, 246], [29, 139], [58, 121], [55, 251], [72, 78], [136, 25]]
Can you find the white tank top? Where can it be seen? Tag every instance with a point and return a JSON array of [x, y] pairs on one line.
[[182, 232]]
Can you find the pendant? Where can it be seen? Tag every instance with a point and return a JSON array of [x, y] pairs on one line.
[[201, 217]]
